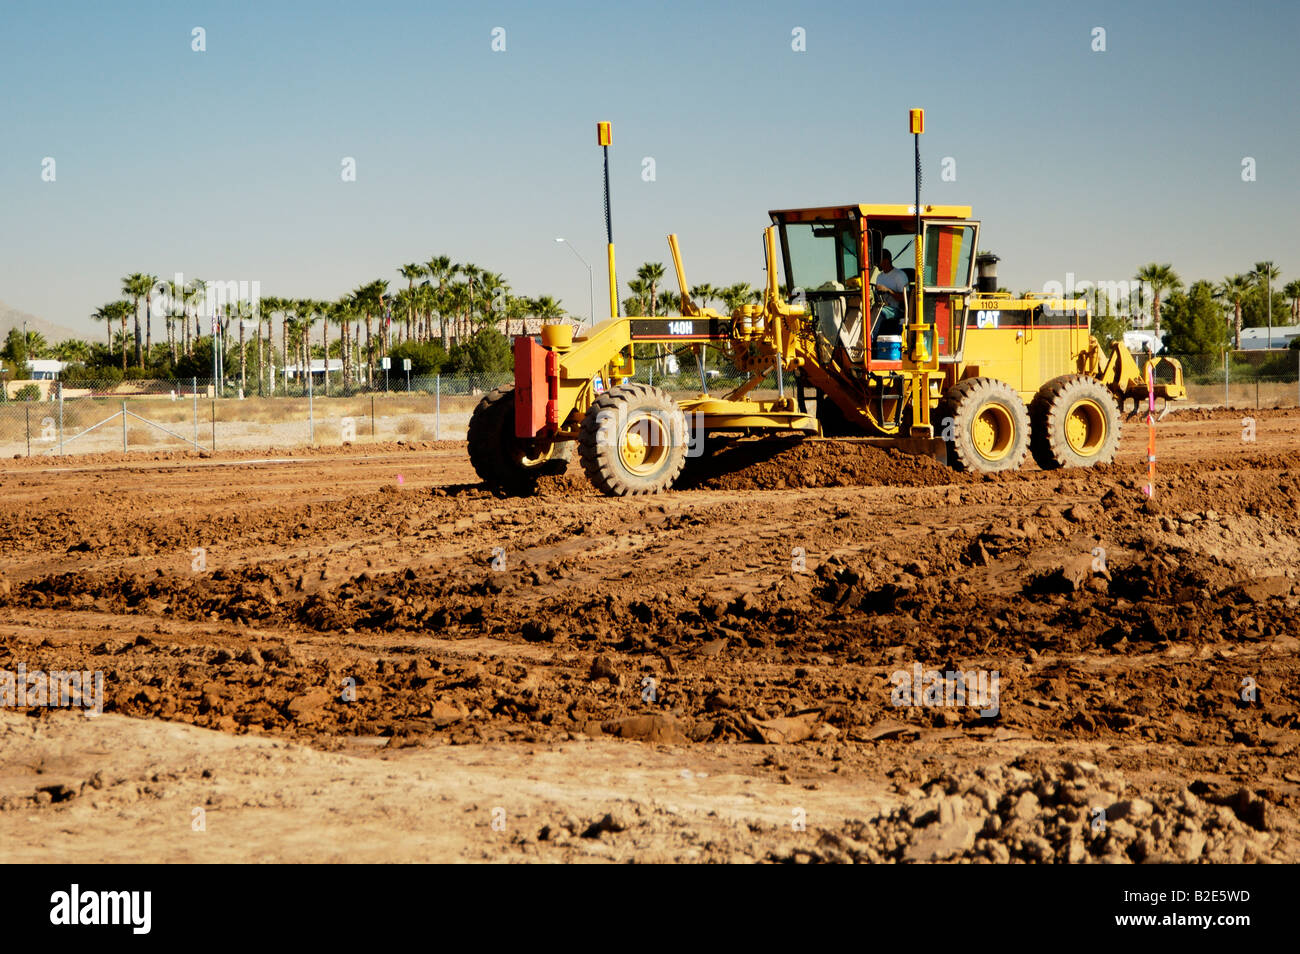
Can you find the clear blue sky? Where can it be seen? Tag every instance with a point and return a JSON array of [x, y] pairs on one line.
[[226, 164]]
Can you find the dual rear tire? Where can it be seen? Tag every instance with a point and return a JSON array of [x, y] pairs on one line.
[[1075, 422], [1072, 422]]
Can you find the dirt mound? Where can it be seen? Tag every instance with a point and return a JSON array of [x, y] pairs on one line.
[[774, 464], [1070, 813]]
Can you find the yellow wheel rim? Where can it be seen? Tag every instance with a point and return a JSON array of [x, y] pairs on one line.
[[643, 445], [1085, 428], [993, 432]]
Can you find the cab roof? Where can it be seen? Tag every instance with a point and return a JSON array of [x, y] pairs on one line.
[[871, 210]]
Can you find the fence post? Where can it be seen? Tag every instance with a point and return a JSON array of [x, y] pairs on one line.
[[28, 407], [123, 427], [1257, 388], [311, 419], [214, 420], [194, 393], [437, 407], [60, 387], [1225, 379], [372, 416]]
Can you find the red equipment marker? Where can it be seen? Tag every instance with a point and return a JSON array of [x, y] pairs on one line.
[[1151, 433]]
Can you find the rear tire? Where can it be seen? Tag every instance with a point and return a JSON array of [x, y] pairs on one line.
[[986, 425], [503, 461], [1075, 422], [633, 441]]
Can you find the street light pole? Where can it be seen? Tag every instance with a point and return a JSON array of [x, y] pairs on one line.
[[591, 282]]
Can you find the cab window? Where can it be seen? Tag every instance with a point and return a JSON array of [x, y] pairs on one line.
[[820, 252]]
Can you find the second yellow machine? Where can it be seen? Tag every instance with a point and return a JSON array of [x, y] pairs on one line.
[[946, 366]]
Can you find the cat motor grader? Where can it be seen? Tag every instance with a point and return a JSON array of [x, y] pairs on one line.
[[978, 378]]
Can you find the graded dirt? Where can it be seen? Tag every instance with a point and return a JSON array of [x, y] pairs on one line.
[[359, 654]]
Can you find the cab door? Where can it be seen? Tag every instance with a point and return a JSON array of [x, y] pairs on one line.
[[950, 246]]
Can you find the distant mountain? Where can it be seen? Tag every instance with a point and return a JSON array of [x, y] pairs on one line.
[[13, 318]]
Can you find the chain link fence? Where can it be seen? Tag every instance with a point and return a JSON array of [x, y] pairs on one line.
[[1242, 379], [149, 415]]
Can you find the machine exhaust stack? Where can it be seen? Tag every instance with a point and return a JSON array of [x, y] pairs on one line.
[[986, 271]]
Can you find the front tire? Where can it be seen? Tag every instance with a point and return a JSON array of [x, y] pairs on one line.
[[986, 425], [633, 441], [503, 461]]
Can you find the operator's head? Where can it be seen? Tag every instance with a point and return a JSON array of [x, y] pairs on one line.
[[886, 261]]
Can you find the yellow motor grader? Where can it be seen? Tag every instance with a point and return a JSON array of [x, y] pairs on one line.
[[947, 366]]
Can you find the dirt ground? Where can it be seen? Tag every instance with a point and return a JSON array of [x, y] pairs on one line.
[[357, 654]]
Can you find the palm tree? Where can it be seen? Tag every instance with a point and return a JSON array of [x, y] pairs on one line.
[[411, 272], [440, 269], [307, 315], [135, 286], [703, 294], [375, 297], [651, 273], [125, 308], [287, 306], [342, 315], [733, 296], [368, 300], [636, 305], [105, 314], [1266, 271], [494, 286], [71, 350], [1161, 278], [198, 290], [175, 297], [241, 310], [328, 312], [425, 297], [547, 309], [268, 305], [1292, 291], [649, 276], [471, 273], [150, 283], [1265, 274], [265, 306], [455, 298], [1233, 289]]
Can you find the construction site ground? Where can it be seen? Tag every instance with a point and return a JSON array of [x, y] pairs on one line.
[[358, 654]]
